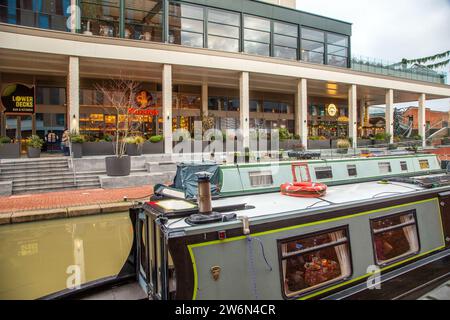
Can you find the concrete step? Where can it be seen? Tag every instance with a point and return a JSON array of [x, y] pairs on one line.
[[54, 180], [32, 162], [155, 167], [53, 189], [5, 167]]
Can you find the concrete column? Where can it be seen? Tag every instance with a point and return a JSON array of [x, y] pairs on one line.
[[167, 107], [390, 114], [244, 107], [73, 22], [421, 125], [361, 114], [205, 99], [301, 111], [73, 94], [352, 113]]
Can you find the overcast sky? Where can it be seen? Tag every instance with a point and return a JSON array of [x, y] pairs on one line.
[[392, 29]]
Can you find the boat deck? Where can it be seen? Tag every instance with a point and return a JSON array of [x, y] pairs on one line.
[[267, 204]]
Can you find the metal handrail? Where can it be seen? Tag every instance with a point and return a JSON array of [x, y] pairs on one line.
[[71, 163]]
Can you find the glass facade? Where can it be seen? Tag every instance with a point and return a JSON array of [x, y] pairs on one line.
[[257, 36], [143, 20], [46, 14], [100, 18], [188, 25], [224, 30]]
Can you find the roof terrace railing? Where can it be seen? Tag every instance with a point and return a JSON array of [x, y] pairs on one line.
[[379, 66]]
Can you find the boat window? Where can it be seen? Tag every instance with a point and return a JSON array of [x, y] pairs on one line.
[[385, 167], [261, 178], [314, 261], [404, 165], [324, 173], [395, 237], [424, 164], [351, 168]]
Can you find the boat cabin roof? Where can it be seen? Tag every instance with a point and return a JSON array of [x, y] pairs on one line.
[[273, 204]]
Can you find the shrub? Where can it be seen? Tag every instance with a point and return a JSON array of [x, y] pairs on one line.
[[343, 144], [135, 140], [107, 138], [284, 134], [155, 139], [35, 142], [77, 138], [4, 140]]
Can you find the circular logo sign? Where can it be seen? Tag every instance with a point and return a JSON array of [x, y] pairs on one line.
[[332, 110]]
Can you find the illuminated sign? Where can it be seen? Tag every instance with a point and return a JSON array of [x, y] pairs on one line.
[[18, 99], [332, 110], [144, 102]]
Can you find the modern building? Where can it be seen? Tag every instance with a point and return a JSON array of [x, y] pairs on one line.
[[245, 63]]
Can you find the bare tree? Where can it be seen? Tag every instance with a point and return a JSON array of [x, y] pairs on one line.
[[120, 95]]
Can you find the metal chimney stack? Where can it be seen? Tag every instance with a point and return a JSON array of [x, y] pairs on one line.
[[204, 193]]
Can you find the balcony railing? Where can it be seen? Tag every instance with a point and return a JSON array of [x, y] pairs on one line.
[[415, 72]]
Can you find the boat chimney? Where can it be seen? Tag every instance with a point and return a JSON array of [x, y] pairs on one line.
[[204, 193]]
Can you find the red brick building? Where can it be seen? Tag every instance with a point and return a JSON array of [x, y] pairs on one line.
[[434, 119]]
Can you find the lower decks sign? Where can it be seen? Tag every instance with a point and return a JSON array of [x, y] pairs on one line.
[[18, 98]]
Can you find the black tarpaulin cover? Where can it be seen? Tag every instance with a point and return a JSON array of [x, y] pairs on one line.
[[187, 180]]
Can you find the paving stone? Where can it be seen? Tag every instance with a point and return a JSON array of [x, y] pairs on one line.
[[38, 215], [83, 211], [115, 207], [5, 218]]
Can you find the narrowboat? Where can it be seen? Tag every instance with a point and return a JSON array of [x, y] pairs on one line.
[[381, 231]]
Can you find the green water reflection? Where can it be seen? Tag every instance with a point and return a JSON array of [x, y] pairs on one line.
[[35, 257]]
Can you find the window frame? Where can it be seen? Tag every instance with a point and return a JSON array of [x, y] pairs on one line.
[[423, 161], [352, 167], [324, 43], [207, 33], [323, 169], [401, 226], [181, 17], [281, 241], [380, 163]]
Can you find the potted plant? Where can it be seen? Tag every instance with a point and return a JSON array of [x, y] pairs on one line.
[[8, 149], [134, 145], [34, 144], [120, 95], [342, 146], [76, 142], [154, 145], [247, 155]]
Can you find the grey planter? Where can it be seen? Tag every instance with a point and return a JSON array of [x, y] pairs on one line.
[[98, 148], [118, 167], [33, 152], [134, 149], [321, 144], [291, 144], [153, 148], [10, 151], [341, 151], [77, 150]]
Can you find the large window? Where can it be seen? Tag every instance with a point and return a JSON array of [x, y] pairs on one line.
[[285, 40], [100, 18], [395, 237], [314, 261], [186, 25], [257, 36], [337, 50], [223, 30], [313, 45], [143, 20], [47, 14]]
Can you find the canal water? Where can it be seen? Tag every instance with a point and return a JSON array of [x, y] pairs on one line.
[[41, 258]]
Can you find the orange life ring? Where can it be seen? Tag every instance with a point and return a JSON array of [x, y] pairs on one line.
[[304, 189]]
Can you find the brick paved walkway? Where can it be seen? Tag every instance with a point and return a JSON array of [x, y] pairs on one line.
[[71, 198]]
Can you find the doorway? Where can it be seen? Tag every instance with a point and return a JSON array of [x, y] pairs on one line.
[[19, 128]]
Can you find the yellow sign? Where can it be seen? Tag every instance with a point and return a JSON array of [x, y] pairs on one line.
[[332, 110]]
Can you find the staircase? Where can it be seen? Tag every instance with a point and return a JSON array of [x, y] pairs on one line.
[[45, 175]]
